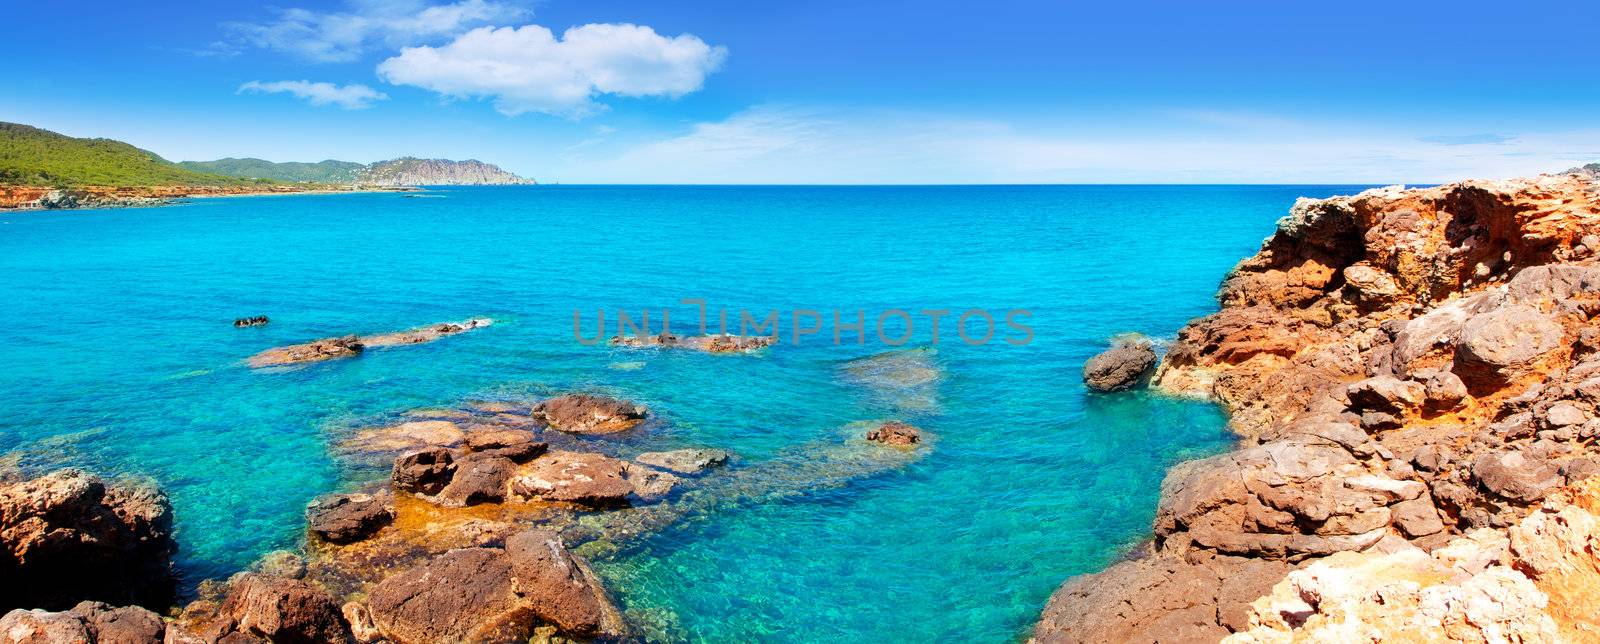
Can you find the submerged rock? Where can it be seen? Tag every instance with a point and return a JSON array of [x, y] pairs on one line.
[[715, 343], [402, 437], [67, 536], [685, 461], [424, 334], [1126, 364], [908, 379], [589, 414]]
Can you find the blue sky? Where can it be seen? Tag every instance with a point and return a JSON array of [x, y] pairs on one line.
[[831, 92]]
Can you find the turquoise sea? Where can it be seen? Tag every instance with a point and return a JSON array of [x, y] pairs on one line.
[[118, 355]]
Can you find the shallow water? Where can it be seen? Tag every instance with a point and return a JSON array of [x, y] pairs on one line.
[[119, 355]]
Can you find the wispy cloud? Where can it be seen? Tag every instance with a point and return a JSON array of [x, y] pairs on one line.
[[1467, 139], [350, 97], [345, 36], [791, 144], [527, 69]]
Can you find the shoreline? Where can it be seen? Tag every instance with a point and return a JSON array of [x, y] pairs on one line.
[[1408, 374], [36, 198]]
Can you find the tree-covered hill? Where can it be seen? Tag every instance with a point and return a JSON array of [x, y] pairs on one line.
[[329, 171], [32, 156]]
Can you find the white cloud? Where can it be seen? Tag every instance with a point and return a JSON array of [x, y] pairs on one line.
[[527, 69], [345, 36], [350, 97], [779, 144]]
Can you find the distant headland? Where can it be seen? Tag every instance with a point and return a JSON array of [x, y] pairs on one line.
[[41, 169]]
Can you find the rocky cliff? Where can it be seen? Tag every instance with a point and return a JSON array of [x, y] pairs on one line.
[[1403, 367], [408, 171]]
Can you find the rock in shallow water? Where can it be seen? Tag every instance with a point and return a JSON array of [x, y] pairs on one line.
[[584, 478], [588, 414], [1126, 364], [347, 518], [895, 433], [494, 594], [684, 461]]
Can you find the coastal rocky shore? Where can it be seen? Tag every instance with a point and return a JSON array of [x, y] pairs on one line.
[[47, 198], [481, 531], [1414, 376]]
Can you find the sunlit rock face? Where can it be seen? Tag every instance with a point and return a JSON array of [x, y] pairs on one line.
[[1403, 366]]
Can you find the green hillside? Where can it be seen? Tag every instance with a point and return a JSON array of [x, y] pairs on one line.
[[31, 156], [329, 171]]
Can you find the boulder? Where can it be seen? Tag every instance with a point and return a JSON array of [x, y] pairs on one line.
[[125, 625], [584, 478], [559, 587], [1386, 394], [459, 596], [586, 414], [516, 444], [1564, 414], [424, 471], [895, 433], [1502, 344], [1126, 364], [43, 627], [493, 594], [1444, 391], [1371, 285], [479, 478], [67, 536], [347, 518], [278, 609], [684, 461], [1516, 475]]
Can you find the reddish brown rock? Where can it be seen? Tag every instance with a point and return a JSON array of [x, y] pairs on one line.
[[347, 518], [479, 478], [424, 471], [516, 444], [67, 536], [895, 433], [493, 594], [314, 351], [350, 346], [1400, 364], [1126, 364], [574, 477], [277, 609], [587, 414]]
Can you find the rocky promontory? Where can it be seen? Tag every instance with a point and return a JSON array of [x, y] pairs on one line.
[[1406, 369]]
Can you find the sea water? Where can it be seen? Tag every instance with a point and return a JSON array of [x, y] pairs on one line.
[[118, 355]]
